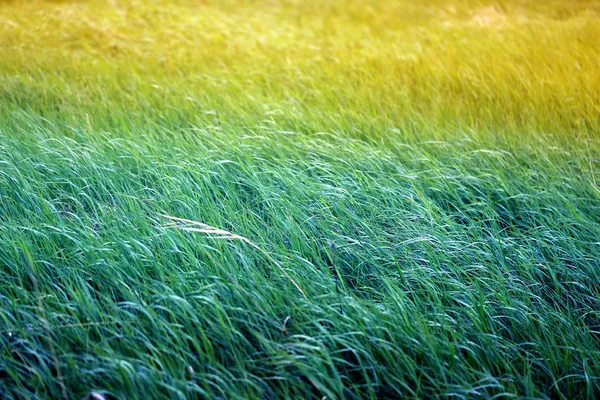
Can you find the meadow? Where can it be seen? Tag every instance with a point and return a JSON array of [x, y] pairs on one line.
[[291, 199]]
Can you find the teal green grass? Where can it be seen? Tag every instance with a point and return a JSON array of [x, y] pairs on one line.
[[450, 152]]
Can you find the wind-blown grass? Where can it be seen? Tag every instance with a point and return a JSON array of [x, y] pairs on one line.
[[449, 151]]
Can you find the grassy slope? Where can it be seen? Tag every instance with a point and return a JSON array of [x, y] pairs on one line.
[[450, 151]]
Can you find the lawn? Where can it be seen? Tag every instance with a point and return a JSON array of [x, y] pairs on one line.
[[244, 199]]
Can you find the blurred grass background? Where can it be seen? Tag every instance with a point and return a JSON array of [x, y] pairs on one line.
[[436, 67]]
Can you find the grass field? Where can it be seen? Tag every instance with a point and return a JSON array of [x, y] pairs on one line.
[[402, 201]]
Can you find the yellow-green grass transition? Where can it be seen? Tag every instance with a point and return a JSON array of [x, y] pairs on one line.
[[449, 150]]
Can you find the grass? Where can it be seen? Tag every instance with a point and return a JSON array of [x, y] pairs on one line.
[[427, 176]]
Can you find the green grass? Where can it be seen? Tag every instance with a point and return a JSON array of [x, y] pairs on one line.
[[450, 152]]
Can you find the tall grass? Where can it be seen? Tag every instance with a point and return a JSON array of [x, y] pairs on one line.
[[448, 151]]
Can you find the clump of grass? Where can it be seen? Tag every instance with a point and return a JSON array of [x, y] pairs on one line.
[[216, 233], [450, 151]]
